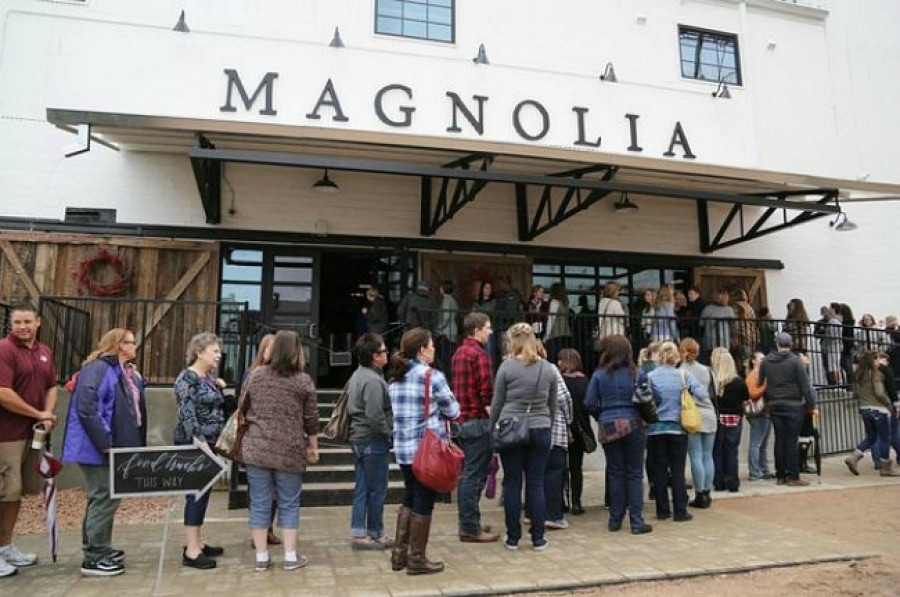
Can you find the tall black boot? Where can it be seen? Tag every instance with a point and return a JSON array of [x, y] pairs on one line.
[[577, 484]]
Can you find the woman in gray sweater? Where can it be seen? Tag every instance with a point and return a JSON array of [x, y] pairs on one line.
[[369, 409], [525, 386]]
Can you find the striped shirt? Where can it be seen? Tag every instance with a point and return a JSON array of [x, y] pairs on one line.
[[559, 428], [408, 402]]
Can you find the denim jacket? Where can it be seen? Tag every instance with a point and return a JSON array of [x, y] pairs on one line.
[[665, 383]]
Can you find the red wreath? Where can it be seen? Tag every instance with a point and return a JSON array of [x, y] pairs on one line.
[[103, 274]]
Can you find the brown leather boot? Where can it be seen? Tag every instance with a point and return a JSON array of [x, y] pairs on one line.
[[419, 530], [401, 540]]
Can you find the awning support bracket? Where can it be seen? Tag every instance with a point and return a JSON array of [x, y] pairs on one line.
[[759, 227], [208, 173], [436, 213], [546, 216]]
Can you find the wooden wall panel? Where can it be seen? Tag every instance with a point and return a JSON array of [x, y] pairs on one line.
[[165, 303]]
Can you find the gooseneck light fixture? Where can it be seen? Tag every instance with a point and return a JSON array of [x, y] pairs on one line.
[[181, 25], [336, 41], [624, 204], [722, 90], [481, 58], [842, 224], [326, 185], [609, 73]]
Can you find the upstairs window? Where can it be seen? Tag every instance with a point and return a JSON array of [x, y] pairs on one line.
[[709, 55], [419, 19]]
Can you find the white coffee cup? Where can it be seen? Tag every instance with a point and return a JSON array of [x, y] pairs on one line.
[[40, 436]]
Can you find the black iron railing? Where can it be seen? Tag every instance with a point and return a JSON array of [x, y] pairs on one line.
[[831, 350], [72, 326]]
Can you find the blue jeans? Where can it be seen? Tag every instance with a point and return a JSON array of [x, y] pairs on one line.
[[554, 482], [530, 461], [703, 468], [668, 451], [195, 509], [625, 478], [878, 432], [786, 422], [370, 461], [725, 454], [262, 483], [757, 455], [475, 441]]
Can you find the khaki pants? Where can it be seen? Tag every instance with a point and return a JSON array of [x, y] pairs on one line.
[[17, 474]]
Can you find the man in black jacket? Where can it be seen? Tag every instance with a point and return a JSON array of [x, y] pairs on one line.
[[787, 394]]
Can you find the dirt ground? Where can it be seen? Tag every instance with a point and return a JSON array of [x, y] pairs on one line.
[[867, 517]]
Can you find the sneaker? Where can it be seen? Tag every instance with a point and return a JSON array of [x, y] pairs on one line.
[[300, 562], [7, 570], [14, 557], [541, 545], [509, 544], [101, 567], [116, 555], [212, 551], [201, 562], [556, 525], [263, 566], [365, 544]]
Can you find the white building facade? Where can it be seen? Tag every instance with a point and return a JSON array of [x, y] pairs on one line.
[[391, 96]]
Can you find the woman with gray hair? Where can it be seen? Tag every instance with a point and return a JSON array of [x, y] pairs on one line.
[[199, 410]]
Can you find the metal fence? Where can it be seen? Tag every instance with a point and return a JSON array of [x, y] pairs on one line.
[[4, 318], [72, 326], [830, 349]]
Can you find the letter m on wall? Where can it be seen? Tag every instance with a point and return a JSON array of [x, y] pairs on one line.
[[267, 85]]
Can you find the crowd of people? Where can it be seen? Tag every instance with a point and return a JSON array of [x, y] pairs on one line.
[[540, 379]]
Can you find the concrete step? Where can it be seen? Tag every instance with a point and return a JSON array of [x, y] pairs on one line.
[[341, 494], [341, 473]]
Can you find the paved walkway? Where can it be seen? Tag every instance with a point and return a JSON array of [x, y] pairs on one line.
[[584, 555]]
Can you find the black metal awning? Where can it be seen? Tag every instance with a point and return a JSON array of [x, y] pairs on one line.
[[547, 190]]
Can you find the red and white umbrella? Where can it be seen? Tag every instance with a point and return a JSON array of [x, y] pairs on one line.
[[48, 468]]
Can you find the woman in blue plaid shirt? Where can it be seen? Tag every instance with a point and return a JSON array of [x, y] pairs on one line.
[[406, 385]]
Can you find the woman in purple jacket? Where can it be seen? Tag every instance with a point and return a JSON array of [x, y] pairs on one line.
[[107, 410]]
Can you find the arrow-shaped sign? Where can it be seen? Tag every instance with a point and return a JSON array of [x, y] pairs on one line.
[[164, 470]]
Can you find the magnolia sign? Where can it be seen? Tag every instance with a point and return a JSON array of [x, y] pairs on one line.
[[530, 119]]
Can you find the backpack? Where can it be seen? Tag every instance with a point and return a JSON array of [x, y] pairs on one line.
[[338, 427]]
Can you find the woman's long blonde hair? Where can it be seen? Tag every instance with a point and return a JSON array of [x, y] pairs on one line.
[[723, 368], [523, 344], [109, 344]]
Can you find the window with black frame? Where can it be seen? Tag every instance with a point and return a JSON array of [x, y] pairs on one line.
[[709, 55], [419, 19]]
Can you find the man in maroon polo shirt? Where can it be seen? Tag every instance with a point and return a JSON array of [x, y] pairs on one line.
[[472, 380], [27, 397]]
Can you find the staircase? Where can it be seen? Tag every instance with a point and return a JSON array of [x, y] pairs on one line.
[[331, 481]]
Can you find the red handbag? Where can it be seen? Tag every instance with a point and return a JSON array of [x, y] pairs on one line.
[[438, 463]]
